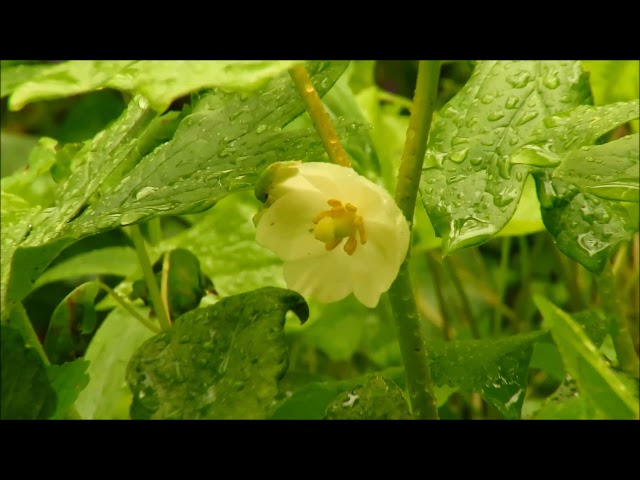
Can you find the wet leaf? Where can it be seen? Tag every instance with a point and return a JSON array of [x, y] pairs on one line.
[[469, 187], [107, 395], [497, 368], [595, 379], [160, 82], [68, 380], [25, 392], [222, 361], [71, 323], [220, 147], [377, 399]]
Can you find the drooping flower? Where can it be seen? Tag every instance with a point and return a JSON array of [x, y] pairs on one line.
[[337, 232]]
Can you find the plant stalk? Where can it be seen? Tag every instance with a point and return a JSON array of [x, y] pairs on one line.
[[411, 339], [319, 116], [147, 271]]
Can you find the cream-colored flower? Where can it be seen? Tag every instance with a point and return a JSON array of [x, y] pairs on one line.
[[337, 232]]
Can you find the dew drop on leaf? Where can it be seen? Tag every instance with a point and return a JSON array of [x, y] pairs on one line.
[[458, 156]]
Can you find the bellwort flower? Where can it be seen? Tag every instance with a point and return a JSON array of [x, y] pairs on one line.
[[337, 232]]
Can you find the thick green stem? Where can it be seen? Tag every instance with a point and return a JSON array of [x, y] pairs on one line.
[[620, 334], [147, 271], [413, 347], [319, 116]]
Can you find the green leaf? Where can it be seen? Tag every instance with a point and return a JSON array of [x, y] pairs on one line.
[[25, 393], [14, 76], [222, 361], [469, 187], [71, 321], [68, 380], [497, 369], [120, 261], [582, 360], [377, 399], [221, 147], [308, 403], [186, 284], [614, 81], [107, 395], [608, 171], [160, 82], [224, 242], [566, 403]]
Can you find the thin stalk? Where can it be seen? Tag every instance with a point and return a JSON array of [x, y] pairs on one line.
[[164, 286], [612, 304], [505, 251], [413, 347], [319, 116], [147, 271], [464, 299], [155, 230], [437, 284], [132, 311]]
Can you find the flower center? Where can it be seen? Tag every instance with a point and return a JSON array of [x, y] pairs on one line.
[[333, 226]]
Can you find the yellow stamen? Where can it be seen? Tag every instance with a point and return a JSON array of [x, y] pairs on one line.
[[333, 226]]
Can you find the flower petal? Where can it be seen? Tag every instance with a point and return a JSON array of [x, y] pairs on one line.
[[321, 277], [286, 227]]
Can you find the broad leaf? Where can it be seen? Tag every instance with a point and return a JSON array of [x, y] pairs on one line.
[[222, 361], [586, 365], [72, 320], [160, 82], [107, 395], [469, 187], [377, 399], [68, 380], [25, 392], [15, 75], [497, 369], [221, 147]]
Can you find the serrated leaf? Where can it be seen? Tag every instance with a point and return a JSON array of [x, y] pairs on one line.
[[469, 187], [71, 321], [585, 227], [497, 369], [377, 399], [160, 82], [68, 380], [198, 167], [221, 361], [582, 360], [107, 395], [25, 392], [608, 171]]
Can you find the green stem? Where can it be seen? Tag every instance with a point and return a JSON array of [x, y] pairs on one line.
[[413, 347], [147, 271], [464, 299], [437, 283], [620, 334], [319, 116], [505, 250], [151, 326], [155, 230]]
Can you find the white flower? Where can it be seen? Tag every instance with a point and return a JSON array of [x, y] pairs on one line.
[[337, 232]]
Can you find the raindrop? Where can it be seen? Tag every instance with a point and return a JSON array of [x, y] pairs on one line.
[[601, 215], [261, 128], [487, 99], [520, 79], [512, 102], [551, 80], [458, 156], [475, 161], [145, 192], [458, 141], [495, 116], [487, 141], [526, 118], [472, 122], [132, 217]]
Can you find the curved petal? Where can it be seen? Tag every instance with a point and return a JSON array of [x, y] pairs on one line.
[[322, 277], [328, 178], [286, 227]]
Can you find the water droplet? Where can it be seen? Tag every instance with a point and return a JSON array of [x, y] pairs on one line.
[[526, 118], [520, 79], [601, 215], [487, 141], [487, 99], [512, 102], [495, 116], [590, 244], [551, 80], [475, 161], [132, 217], [455, 178], [458, 156], [226, 152], [472, 122], [506, 196], [261, 128], [145, 191], [565, 99], [535, 155], [458, 141]]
